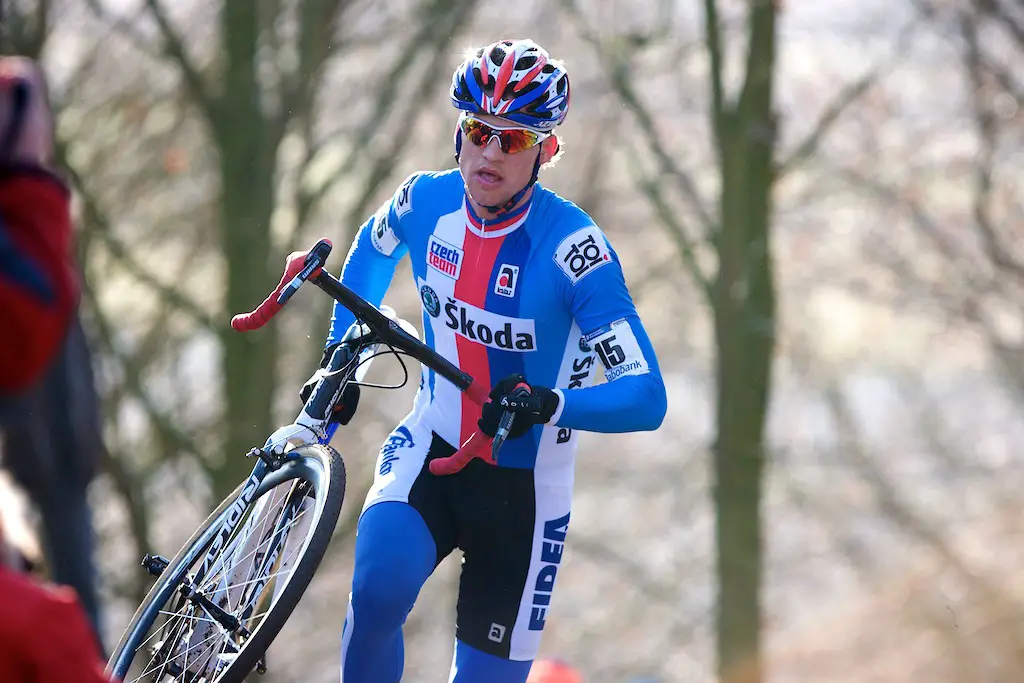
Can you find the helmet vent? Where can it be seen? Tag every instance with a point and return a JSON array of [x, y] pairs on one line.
[[526, 62]]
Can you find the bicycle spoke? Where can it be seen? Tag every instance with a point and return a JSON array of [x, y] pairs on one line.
[[187, 616], [210, 580], [179, 618], [176, 656], [251, 554]]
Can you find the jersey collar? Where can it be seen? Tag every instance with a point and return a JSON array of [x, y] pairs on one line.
[[500, 226]]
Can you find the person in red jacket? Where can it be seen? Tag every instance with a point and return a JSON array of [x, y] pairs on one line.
[[38, 288], [44, 634]]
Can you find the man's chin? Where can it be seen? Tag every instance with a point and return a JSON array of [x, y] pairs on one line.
[[488, 197]]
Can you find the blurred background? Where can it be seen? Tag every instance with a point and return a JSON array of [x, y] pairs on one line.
[[818, 209]]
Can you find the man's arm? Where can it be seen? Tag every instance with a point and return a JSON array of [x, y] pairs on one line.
[[371, 262], [633, 398]]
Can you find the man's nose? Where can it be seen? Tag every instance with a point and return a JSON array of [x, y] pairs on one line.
[[492, 150]]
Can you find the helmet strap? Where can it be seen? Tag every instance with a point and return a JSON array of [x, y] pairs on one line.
[[458, 143]]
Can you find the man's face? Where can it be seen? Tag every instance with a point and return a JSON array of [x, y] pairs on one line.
[[491, 175]]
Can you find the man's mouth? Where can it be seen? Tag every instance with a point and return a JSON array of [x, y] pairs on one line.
[[488, 177]]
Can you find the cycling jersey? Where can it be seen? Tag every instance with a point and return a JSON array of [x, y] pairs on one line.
[[539, 292]]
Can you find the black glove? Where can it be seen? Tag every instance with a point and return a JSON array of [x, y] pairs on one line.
[[345, 408], [532, 405]]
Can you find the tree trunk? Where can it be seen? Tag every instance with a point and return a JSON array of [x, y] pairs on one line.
[[247, 148], [743, 299]]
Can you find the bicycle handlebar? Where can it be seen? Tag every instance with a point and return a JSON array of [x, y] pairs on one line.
[[309, 266]]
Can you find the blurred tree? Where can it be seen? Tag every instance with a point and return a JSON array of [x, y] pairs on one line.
[[742, 295], [24, 27], [739, 287], [964, 203], [247, 133], [265, 80]]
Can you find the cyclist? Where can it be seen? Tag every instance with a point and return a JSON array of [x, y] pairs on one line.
[[519, 287]]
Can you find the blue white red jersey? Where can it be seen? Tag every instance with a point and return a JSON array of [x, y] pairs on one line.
[[539, 292]]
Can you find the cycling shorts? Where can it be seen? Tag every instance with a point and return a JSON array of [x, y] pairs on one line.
[[510, 526]]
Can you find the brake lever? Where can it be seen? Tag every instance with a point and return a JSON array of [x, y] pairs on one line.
[[522, 391], [501, 433], [315, 260]]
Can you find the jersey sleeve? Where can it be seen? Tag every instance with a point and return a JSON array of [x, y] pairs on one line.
[[373, 257], [633, 397]]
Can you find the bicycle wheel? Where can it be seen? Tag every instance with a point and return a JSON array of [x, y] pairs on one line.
[[216, 630]]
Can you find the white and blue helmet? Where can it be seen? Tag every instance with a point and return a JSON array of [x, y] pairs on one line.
[[514, 79]]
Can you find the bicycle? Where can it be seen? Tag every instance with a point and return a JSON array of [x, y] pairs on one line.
[[216, 607]]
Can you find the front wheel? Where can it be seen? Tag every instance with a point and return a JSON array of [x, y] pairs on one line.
[[220, 602]]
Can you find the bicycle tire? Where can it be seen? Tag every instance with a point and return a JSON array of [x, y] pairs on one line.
[[323, 457]]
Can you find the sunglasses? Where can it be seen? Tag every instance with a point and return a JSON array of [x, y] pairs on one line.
[[511, 138]]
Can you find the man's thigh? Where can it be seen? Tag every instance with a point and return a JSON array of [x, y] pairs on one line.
[[512, 530]]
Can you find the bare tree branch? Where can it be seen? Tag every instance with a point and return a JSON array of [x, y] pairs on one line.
[[450, 23], [807, 147], [901, 512], [652, 275], [433, 37], [175, 49], [133, 371], [127, 485], [713, 39], [651, 187], [318, 22], [124, 27], [984, 120], [996, 11], [101, 229], [617, 69]]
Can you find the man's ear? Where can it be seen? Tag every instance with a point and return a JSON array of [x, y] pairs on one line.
[[549, 148]]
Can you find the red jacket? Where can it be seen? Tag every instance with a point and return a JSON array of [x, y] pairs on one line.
[[44, 635], [38, 286]]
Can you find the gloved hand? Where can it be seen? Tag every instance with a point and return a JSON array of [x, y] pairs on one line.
[[532, 405], [345, 408]]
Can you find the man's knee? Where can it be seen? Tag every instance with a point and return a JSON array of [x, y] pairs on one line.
[[394, 556], [384, 591]]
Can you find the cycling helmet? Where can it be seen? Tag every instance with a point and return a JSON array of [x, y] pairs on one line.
[[514, 79]]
